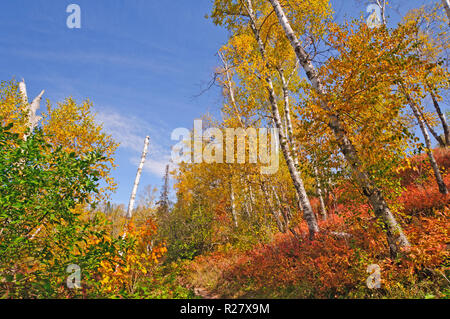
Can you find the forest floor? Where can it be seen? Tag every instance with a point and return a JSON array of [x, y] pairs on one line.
[[205, 294]]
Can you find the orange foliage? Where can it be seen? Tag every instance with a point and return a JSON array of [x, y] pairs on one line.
[[121, 274]]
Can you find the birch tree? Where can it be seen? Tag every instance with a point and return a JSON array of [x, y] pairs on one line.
[[137, 179], [395, 236], [433, 38]]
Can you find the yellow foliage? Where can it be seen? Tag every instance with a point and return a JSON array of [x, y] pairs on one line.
[[73, 127], [123, 272]]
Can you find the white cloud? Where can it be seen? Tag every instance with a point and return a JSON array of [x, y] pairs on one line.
[[153, 166], [130, 132], [125, 130]]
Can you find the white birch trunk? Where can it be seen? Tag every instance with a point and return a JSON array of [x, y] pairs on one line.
[[441, 117], [229, 86], [252, 200], [289, 131], [233, 206], [295, 176], [248, 205], [395, 236], [323, 210], [382, 5], [333, 196], [285, 127], [23, 92], [426, 136], [246, 199], [275, 213], [281, 211], [137, 179], [287, 116]]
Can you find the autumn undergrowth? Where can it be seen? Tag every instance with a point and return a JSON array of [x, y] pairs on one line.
[[163, 284], [334, 266]]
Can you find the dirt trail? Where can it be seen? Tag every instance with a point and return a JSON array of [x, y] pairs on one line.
[[205, 294]]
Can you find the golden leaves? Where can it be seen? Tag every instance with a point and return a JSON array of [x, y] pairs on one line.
[[73, 127]]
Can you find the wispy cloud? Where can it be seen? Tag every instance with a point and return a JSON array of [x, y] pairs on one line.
[[125, 129], [130, 132], [153, 166], [98, 58]]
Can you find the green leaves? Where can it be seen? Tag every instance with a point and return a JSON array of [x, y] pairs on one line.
[[40, 228]]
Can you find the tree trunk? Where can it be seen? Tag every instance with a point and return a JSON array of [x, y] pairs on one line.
[[295, 176], [137, 179], [382, 5], [283, 214], [247, 210], [441, 117], [247, 207], [434, 165], [233, 205], [289, 131], [135, 187], [252, 201], [323, 210], [287, 110], [333, 196], [395, 236], [287, 115], [335, 203], [229, 86], [275, 213]]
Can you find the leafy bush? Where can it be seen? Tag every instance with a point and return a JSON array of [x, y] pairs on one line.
[[41, 231], [187, 234]]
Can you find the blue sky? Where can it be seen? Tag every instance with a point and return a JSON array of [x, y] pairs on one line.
[[141, 62]]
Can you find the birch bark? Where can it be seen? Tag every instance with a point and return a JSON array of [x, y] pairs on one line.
[[287, 115], [275, 213], [441, 117], [323, 210], [229, 87], [233, 205], [137, 179], [382, 5], [281, 211]]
